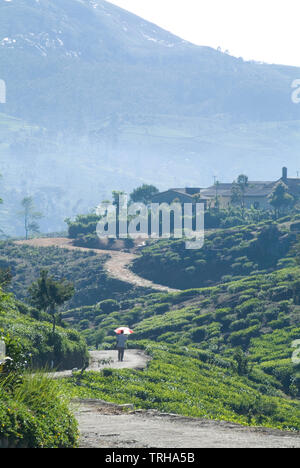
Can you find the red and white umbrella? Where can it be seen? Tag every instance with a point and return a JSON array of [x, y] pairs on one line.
[[126, 331]]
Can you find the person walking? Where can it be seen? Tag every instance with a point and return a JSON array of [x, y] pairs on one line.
[[121, 345]]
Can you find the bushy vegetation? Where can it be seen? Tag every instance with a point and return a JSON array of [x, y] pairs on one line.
[[34, 413], [221, 351], [259, 314], [65, 348], [234, 216], [238, 330], [83, 230], [194, 383], [226, 254], [84, 269]]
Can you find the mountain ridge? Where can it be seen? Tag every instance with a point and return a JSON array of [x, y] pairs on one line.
[[108, 100], [87, 40]]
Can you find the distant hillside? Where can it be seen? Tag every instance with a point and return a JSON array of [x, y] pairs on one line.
[[107, 99], [226, 254], [70, 61]]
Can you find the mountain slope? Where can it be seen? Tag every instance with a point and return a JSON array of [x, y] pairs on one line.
[[109, 99], [108, 58]]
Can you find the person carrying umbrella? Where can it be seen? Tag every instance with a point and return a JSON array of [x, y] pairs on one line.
[[122, 336]]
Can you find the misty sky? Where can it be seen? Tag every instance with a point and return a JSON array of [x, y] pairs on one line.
[[262, 30]]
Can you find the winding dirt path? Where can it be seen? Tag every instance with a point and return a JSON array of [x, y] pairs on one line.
[[116, 265], [133, 359], [106, 425]]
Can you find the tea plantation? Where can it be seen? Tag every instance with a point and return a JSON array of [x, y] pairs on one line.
[[221, 347], [222, 351]]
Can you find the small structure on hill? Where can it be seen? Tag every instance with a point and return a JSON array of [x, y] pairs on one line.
[[256, 193]]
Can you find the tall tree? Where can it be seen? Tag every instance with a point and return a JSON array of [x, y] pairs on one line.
[[280, 199], [47, 294], [115, 195], [236, 194], [217, 198], [30, 216], [243, 183], [144, 194]]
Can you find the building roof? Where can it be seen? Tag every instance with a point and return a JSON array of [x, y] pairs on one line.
[[254, 189], [180, 192], [175, 191], [293, 185]]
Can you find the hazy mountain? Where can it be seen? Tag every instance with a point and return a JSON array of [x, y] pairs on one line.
[[102, 100], [68, 60]]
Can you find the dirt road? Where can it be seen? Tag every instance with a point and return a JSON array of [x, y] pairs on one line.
[[133, 359], [105, 425], [116, 265], [108, 426]]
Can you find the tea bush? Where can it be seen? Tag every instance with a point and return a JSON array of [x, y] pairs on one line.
[[35, 414], [193, 383]]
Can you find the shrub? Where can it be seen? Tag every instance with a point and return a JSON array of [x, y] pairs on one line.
[[242, 362], [248, 307], [161, 308], [34, 413], [201, 319], [281, 293], [198, 334], [108, 305], [239, 325], [243, 337]]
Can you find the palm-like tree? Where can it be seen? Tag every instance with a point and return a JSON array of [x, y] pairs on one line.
[[243, 183]]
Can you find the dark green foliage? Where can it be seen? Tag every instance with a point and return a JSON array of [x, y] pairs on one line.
[[270, 245], [195, 383], [296, 250], [109, 305], [242, 362], [36, 341], [243, 337], [5, 277], [143, 194], [281, 199], [84, 269], [219, 319], [46, 294], [83, 225], [34, 413], [226, 254], [296, 291], [198, 334], [248, 306]]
